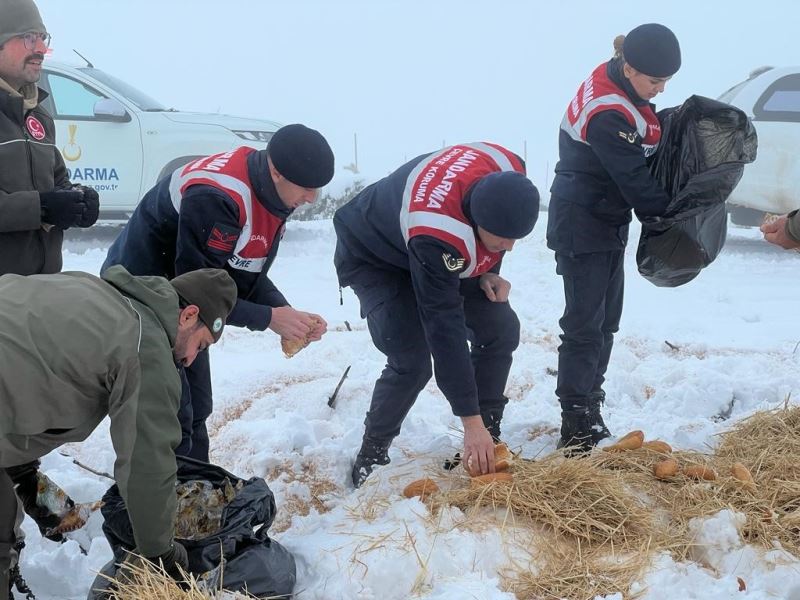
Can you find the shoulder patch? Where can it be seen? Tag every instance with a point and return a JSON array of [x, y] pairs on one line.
[[222, 239], [628, 137], [452, 264]]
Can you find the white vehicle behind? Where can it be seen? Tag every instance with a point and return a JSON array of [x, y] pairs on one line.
[[771, 97], [121, 142]]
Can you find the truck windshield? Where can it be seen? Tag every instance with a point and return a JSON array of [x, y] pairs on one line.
[[730, 94], [140, 99]]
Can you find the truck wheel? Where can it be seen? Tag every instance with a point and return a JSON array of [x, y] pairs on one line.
[[747, 217], [174, 164]]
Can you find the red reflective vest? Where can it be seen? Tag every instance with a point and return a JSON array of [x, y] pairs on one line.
[[433, 195], [228, 172], [599, 93]]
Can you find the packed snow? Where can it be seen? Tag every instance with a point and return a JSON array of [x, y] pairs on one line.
[[733, 349]]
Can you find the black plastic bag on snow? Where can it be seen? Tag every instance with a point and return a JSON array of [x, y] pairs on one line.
[[704, 147], [253, 561]]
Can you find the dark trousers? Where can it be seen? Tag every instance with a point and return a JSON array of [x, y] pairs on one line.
[[396, 330], [196, 407], [8, 517], [593, 290]]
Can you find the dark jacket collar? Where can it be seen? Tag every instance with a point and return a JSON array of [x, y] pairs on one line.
[[615, 74], [466, 207], [12, 105], [261, 182]]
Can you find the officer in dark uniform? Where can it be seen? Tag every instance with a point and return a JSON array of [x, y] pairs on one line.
[[422, 249], [228, 211], [608, 132]]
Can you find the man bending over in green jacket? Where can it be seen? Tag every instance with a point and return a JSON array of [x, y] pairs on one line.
[[107, 347]]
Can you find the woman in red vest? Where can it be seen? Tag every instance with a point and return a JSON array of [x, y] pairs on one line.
[[608, 132]]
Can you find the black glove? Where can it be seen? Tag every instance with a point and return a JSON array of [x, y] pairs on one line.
[[62, 208], [26, 477], [92, 200], [173, 560]]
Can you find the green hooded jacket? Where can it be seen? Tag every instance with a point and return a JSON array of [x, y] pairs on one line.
[[75, 348]]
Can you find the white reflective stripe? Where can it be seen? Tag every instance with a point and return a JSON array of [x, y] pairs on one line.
[[23, 140], [226, 182], [452, 226], [608, 99], [412, 177], [42, 143], [251, 265], [422, 218], [139, 341], [496, 155], [567, 126], [175, 189]]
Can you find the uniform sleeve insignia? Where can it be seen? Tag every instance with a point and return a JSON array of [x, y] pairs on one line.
[[628, 137], [222, 239], [452, 264]]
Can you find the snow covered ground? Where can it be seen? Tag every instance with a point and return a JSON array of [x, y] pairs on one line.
[[736, 327]]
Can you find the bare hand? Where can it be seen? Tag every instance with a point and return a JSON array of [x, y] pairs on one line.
[[495, 287], [478, 447], [775, 233], [291, 324], [319, 329]]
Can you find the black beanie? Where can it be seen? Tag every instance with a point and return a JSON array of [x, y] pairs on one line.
[[505, 204], [18, 17], [652, 49], [302, 156], [213, 291]]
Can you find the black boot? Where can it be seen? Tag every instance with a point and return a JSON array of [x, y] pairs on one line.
[[576, 431], [373, 452], [491, 420], [599, 429]]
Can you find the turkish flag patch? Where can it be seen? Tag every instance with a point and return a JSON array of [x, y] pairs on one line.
[[223, 238]]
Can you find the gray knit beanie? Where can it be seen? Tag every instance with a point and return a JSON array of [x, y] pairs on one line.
[[18, 17]]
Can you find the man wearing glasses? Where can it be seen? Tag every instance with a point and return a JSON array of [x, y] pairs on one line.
[[37, 200]]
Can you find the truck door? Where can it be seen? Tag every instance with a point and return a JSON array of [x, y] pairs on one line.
[[774, 179], [100, 140]]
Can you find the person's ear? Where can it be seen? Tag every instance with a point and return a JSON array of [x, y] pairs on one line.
[[273, 172], [189, 315], [628, 70]]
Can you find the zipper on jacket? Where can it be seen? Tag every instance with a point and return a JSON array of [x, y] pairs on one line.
[[41, 232], [28, 150]]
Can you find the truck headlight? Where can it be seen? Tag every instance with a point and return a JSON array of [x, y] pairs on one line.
[[254, 136]]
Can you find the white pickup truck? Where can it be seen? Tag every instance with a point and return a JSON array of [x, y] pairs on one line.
[[771, 97], [121, 142]]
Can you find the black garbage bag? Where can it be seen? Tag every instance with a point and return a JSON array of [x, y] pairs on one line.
[[704, 147], [253, 561]]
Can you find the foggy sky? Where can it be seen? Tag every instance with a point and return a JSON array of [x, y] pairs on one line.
[[408, 77]]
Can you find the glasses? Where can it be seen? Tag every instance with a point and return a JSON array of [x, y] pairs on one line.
[[32, 37]]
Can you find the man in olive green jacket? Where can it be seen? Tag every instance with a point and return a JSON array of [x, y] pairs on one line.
[[108, 347]]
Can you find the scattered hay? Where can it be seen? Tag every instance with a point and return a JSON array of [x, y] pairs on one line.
[[234, 411], [319, 488], [569, 573], [768, 444], [573, 497], [145, 580], [537, 432], [609, 515]]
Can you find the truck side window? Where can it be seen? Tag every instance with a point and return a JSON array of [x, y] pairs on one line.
[[780, 101], [71, 98]]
